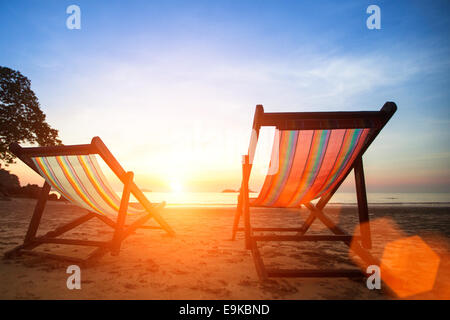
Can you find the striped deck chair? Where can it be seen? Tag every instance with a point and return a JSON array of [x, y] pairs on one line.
[[312, 155], [74, 172]]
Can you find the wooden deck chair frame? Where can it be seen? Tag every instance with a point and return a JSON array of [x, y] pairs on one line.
[[121, 230], [313, 121]]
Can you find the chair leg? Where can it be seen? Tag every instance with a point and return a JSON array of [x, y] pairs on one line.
[[258, 261], [119, 229], [308, 222], [363, 209], [37, 214], [161, 221], [248, 230], [237, 217], [34, 222]]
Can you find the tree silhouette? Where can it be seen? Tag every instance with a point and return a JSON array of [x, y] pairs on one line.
[[21, 118]]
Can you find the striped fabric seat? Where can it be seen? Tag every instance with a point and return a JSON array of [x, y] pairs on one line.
[[308, 164], [80, 180]]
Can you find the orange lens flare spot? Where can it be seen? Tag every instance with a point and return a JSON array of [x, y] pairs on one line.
[[409, 266], [383, 231]]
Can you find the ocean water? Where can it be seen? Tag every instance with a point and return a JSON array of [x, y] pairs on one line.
[[230, 199]]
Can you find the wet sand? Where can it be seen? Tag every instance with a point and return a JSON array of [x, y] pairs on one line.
[[201, 262]]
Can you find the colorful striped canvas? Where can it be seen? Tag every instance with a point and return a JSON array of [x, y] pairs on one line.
[[80, 180], [310, 163]]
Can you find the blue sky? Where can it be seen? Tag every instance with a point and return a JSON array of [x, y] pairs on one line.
[[173, 84]]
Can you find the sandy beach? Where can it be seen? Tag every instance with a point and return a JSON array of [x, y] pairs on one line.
[[202, 263]]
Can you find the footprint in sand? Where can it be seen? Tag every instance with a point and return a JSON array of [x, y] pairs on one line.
[[171, 288], [114, 271], [234, 260], [279, 289], [223, 282], [178, 271], [245, 283], [130, 286], [152, 268], [211, 289]]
